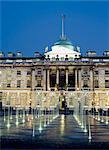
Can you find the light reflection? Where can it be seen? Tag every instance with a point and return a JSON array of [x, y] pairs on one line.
[[40, 128], [29, 121], [62, 126], [17, 123], [8, 125]]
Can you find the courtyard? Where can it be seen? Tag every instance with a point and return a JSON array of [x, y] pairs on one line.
[[54, 131]]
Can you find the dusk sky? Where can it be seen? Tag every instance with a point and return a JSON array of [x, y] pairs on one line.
[[30, 26]]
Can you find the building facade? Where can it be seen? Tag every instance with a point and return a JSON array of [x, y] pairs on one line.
[[25, 80]]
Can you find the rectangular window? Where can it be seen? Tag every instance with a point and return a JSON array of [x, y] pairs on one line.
[[28, 83], [9, 85], [18, 83], [39, 72], [96, 84], [106, 83], [85, 72], [106, 72], [39, 83], [85, 83], [28, 72], [96, 72], [18, 72]]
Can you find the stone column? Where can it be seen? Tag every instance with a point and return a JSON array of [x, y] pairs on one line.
[[33, 87], [33, 79], [91, 80], [76, 79], [48, 80], [7, 98], [101, 78], [66, 79], [79, 72], [57, 76], [44, 80]]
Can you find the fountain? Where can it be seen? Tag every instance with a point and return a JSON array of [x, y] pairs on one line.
[[33, 129], [17, 116], [23, 118], [45, 121], [102, 120], [40, 123], [4, 115], [89, 136], [11, 113], [106, 122], [8, 122], [84, 114], [80, 112], [98, 116]]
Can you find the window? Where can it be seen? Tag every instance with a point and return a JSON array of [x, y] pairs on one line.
[[96, 72], [28, 83], [106, 72], [39, 83], [39, 72], [85, 72], [18, 72], [62, 58], [96, 85], [106, 83], [85, 83], [9, 85], [28, 72], [18, 83], [53, 58]]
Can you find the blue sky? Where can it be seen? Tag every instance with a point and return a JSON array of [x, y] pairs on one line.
[[30, 26]]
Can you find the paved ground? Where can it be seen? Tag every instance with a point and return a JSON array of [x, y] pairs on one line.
[[62, 133]]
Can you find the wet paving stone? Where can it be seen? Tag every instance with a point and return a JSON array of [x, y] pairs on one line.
[[62, 133]]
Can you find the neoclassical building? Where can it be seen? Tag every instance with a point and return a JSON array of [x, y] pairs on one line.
[[61, 72]]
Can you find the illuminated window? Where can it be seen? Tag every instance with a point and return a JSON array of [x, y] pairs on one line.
[[96, 72], [18, 72], [28, 72], [106, 72], [85, 72], [85, 83], [28, 83], [9, 85], [18, 83], [39, 72], [96, 84], [39, 83], [106, 83]]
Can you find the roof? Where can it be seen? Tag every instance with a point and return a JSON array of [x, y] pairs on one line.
[[63, 42]]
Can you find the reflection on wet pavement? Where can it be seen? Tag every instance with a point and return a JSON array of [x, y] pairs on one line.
[[63, 130]]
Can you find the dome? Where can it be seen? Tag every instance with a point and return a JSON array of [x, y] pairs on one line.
[[65, 43]]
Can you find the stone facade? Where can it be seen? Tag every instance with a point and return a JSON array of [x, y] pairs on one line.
[[41, 82]]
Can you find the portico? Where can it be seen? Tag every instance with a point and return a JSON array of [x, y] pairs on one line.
[[61, 78]]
